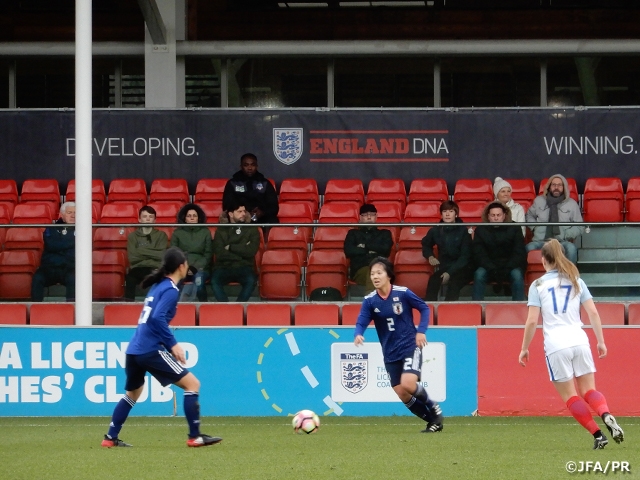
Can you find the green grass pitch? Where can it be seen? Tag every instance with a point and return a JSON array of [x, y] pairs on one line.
[[344, 447]]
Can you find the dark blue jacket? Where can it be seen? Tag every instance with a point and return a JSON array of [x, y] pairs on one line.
[[59, 246]]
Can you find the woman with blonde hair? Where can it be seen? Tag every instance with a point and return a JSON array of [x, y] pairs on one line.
[[558, 295]]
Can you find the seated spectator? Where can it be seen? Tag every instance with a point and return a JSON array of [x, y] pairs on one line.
[[555, 205], [195, 241], [453, 264], [145, 249], [235, 249], [58, 262], [502, 193], [363, 244], [253, 190], [499, 253]]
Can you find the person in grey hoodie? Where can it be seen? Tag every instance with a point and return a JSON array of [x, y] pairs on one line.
[[555, 205], [195, 241]]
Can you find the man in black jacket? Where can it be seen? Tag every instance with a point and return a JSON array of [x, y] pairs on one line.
[[365, 243], [58, 263], [499, 253], [454, 267], [250, 188]]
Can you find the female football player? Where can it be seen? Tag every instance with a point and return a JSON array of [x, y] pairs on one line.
[[154, 349], [559, 294], [390, 307]]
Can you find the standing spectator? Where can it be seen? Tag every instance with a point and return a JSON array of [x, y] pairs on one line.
[[235, 250], [195, 241], [145, 249], [253, 190], [58, 263], [363, 244], [502, 193], [499, 253], [453, 264], [555, 205]]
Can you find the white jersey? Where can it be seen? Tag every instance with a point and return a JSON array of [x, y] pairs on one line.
[[560, 309]]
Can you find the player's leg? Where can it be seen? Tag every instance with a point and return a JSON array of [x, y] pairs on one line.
[[191, 386]]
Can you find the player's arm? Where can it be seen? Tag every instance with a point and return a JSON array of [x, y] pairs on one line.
[[596, 325], [363, 321], [163, 312], [529, 332], [416, 302]]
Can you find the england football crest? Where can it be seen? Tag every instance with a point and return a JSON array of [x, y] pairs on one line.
[[287, 144], [397, 308], [353, 371]]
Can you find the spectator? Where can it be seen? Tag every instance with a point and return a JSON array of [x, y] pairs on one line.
[[499, 253], [363, 244], [502, 193], [195, 241], [555, 205], [453, 264], [58, 263], [253, 190], [145, 249], [235, 250]]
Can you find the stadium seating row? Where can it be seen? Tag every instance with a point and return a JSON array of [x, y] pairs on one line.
[[308, 314], [603, 199]]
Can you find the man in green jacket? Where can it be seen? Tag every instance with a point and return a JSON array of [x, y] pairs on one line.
[[195, 241], [235, 248], [145, 249]]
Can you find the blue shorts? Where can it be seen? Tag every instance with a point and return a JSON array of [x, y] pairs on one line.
[[161, 364], [412, 363]]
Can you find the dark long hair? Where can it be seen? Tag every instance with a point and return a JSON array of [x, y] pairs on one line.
[[173, 258], [388, 267]]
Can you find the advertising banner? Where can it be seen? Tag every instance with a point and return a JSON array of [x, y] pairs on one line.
[[366, 144], [75, 371]]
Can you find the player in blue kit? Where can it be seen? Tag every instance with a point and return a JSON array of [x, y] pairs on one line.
[[154, 349], [390, 307], [557, 295]]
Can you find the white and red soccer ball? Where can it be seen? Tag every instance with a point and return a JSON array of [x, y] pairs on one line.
[[305, 421]]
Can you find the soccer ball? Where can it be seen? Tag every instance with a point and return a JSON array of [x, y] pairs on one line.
[[305, 421]]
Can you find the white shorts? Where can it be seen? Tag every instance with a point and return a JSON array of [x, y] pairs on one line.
[[570, 362]]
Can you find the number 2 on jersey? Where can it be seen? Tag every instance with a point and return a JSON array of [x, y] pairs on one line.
[[390, 324], [566, 299]]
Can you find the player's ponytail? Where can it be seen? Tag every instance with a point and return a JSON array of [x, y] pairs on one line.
[[553, 254], [173, 258]]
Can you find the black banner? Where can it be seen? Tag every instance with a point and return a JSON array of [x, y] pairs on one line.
[[408, 144]]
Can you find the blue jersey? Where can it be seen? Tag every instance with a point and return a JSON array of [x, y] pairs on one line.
[[159, 308], [393, 319]]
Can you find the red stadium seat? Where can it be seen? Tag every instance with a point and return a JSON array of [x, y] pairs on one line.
[[221, 315], [391, 190], [388, 212], [210, 190], [185, 315], [268, 314], [212, 210], [300, 190], [111, 238], [573, 188], [121, 212], [349, 313], [422, 212], [339, 212], [505, 314], [471, 211], [633, 200], [534, 268], [280, 274], [413, 271], [129, 313], [26, 213], [316, 314], [478, 189], [128, 190], [52, 314], [166, 212], [109, 270], [25, 239], [42, 191], [634, 314], [523, 191], [610, 313], [428, 190], [13, 314], [327, 268], [16, 272], [295, 213], [603, 200], [460, 314], [330, 238], [169, 190], [98, 195], [350, 190], [290, 238], [411, 237], [5, 214], [9, 195]]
